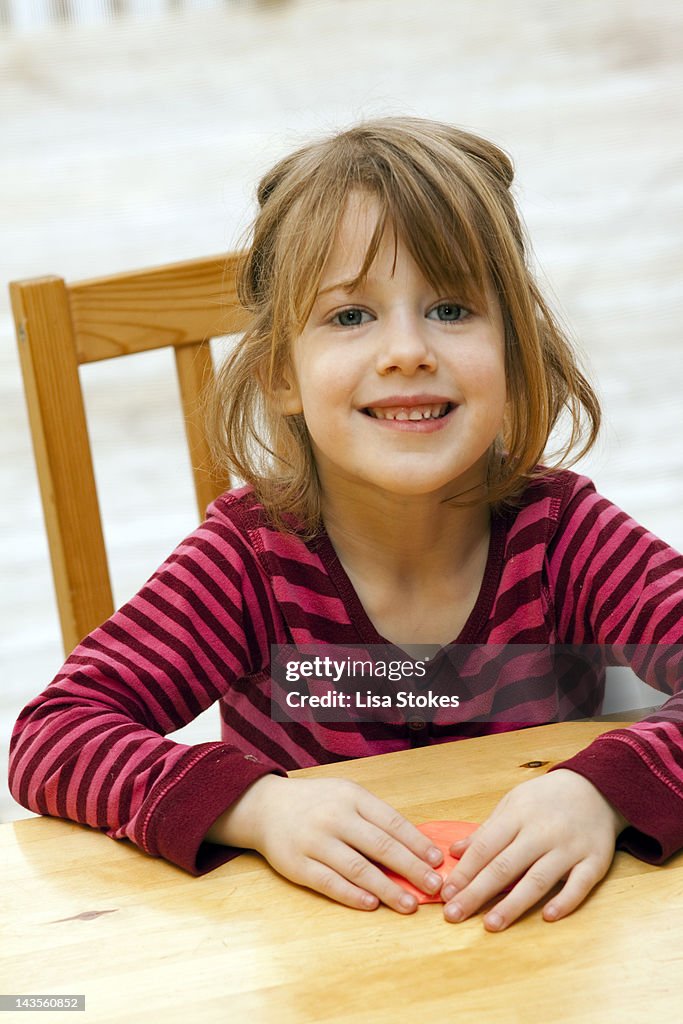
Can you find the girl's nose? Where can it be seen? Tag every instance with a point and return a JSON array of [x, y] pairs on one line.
[[404, 348]]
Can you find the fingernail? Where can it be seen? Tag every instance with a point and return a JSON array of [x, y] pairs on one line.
[[434, 855], [493, 921], [407, 901], [551, 913], [369, 901], [433, 881], [454, 912], [449, 892]]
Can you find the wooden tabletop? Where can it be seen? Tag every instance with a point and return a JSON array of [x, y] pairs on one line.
[[145, 941]]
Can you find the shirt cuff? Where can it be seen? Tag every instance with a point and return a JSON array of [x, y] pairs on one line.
[[654, 811], [184, 815]]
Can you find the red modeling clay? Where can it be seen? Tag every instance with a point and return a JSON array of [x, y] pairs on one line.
[[442, 834]]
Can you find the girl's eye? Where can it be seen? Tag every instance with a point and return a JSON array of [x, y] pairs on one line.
[[350, 317], [448, 312]]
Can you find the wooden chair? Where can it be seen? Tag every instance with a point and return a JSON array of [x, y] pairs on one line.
[[62, 326]]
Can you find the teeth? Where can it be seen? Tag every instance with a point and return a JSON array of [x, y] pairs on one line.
[[415, 412]]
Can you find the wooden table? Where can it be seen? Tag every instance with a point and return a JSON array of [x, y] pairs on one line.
[[144, 941]]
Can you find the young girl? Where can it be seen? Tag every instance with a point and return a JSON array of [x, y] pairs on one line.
[[388, 407]]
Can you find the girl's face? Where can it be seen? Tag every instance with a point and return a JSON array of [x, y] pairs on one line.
[[402, 389]]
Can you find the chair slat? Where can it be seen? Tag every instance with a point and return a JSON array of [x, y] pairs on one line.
[[175, 305], [195, 372], [62, 450], [61, 326]]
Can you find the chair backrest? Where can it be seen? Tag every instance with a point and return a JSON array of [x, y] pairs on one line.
[[62, 326]]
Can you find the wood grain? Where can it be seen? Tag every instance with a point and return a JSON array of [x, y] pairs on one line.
[[61, 447], [143, 940], [174, 305], [195, 374]]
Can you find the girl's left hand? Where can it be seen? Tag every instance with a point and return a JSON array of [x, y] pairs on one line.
[[558, 826]]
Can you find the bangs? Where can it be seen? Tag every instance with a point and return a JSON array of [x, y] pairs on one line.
[[442, 223], [453, 269]]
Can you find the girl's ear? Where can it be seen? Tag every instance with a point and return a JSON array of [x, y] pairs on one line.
[[286, 393]]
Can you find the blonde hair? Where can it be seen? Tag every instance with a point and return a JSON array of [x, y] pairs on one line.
[[446, 193]]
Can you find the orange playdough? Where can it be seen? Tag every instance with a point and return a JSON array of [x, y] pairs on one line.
[[442, 834]]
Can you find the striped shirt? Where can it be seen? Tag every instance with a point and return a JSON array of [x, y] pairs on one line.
[[568, 567]]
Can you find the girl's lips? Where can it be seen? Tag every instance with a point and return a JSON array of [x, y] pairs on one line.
[[423, 418], [426, 411], [409, 401]]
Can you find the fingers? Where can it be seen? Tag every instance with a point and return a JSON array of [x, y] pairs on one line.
[[583, 877], [398, 828], [535, 875], [537, 881], [581, 881], [346, 876], [389, 839], [324, 879], [484, 851], [367, 845]]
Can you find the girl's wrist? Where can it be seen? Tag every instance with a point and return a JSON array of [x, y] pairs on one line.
[[620, 822], [241, 824]]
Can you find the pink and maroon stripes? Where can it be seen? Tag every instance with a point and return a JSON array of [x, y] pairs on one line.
[[567, 568]]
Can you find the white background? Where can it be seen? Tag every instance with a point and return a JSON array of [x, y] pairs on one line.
[[136, 141]]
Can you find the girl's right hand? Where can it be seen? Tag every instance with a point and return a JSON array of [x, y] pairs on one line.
[[325, 834]]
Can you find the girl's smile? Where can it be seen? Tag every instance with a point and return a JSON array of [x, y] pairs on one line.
[[421, 413], [402, 389]]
